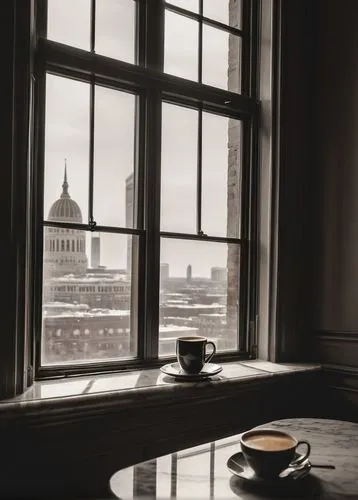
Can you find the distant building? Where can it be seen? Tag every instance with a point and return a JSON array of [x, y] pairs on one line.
[[188, 273], [68, 328], [73, 333], [168, 336], [95, 290], [64, 249], [164, 272], [218, 274], [95, 252], [129, 218]]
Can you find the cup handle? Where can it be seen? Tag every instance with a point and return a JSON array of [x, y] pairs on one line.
[[303, 457], [209, 356]]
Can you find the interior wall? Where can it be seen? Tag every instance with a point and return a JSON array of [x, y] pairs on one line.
[[336, 196], [294, 156]]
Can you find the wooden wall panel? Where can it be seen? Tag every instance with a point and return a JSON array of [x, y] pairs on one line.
[[335, 242]]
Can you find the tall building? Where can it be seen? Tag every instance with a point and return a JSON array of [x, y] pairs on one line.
[[95, 252], [188, 273], [129, 218], [164, 272], [64, 249], [218, 274]]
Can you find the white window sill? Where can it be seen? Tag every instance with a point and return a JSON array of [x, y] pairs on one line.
[[130, 388]]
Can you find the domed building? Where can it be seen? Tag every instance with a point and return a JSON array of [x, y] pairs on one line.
[[64, 249], [86, 311]]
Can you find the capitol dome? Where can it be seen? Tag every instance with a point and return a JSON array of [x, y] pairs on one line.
[[65, 247], [65, 209]]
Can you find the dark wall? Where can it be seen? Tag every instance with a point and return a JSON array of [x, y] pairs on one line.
[[335, 178], [15, 37], [6, 248], [295, 158]]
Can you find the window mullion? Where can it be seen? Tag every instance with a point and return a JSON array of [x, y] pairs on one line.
[[140, 33], [199, 172], [154, 60], [91, 121], [38, 193], [200, 125], [246, 313], [91, 153], [200, 44]]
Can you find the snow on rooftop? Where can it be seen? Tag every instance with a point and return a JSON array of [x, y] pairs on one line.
[[197, 306], [64, 305], [90, 278], [92, 313], [176, 328]]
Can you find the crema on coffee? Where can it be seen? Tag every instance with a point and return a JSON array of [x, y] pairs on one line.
[[269, 442]]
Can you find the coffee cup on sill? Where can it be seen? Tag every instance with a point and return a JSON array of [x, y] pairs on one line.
[[269, 451], [191, 353]]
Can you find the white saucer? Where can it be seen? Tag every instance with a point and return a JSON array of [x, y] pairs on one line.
[[174, 370]]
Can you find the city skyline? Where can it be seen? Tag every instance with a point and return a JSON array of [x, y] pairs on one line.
[[96, 235], [67, 135]]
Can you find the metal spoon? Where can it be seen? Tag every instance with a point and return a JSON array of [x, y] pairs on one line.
[[300, 473]]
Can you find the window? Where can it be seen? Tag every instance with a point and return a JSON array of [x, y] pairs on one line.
[[145, 126]]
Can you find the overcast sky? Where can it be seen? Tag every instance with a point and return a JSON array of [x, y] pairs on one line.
[[67, 131]]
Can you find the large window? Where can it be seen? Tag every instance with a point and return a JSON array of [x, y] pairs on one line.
[[146, 175]]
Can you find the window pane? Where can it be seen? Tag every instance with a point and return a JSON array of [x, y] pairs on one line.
[[66, 136], [191, 5], [88, 311], [181, 46], [115, 29], [113, 157], [199, 292], [179, 169], [221, 176], [69, 22], [227, 12], [221, 59]]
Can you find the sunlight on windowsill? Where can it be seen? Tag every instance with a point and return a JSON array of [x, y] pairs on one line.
[[149, 381]]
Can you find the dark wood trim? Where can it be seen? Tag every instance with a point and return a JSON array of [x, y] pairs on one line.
[[344, 336], [293, 163], [83, 64], [8, 245], [343, 370], [17, 28], [335, 348], [341, 388]]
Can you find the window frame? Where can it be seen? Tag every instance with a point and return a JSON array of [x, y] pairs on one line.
[[153, 87]]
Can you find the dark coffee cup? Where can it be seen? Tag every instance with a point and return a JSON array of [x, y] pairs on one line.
[[191, 353], [269, 451]]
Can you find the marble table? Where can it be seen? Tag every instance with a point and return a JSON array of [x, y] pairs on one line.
[[201, 472]]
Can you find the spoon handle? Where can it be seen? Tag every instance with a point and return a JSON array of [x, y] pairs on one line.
[[321, 466]]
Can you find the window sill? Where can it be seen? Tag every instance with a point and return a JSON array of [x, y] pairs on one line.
[[83, 430], [142, 387]]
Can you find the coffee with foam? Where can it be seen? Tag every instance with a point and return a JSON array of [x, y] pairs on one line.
[[270, 442]]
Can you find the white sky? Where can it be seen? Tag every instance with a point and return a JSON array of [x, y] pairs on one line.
[[67, 131]]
